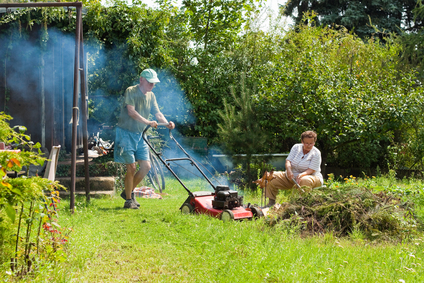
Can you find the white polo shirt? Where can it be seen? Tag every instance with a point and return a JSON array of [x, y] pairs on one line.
[[301, 162]]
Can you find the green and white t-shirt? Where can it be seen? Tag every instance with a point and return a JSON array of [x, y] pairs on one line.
[[301, 162], [144, 104]]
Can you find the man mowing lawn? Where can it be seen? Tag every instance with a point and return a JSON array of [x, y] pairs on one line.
[[139, 102]]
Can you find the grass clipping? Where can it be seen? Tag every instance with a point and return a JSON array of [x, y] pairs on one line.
[[345, 211]]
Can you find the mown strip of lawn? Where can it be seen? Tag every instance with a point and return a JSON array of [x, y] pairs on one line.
[[158, 244]]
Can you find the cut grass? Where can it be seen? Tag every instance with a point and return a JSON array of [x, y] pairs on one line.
[[158, 244]]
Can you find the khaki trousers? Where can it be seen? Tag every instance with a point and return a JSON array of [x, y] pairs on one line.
[[281, 182]]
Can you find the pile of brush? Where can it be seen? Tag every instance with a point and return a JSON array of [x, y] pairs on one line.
[[343, 211]]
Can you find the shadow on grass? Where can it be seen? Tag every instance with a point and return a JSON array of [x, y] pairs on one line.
[[118, 208]]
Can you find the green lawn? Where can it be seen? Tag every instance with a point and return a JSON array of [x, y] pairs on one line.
[[158, 244]]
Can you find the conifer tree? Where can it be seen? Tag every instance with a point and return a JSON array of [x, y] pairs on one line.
[[240, 131]]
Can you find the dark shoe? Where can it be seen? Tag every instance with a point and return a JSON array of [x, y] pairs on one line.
[[134, 200], [130, 204], [124, 196]]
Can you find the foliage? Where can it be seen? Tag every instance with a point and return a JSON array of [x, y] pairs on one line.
[[214, 29], [240, 131], [215, 22], [108, 168], [243, 178], [409, 189], [332, 82], [38, 238], [363, 157], [413, 51], [29, 193], [347, 209], [357, 16]]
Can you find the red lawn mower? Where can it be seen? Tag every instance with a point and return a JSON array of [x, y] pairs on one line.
[[222, 202]]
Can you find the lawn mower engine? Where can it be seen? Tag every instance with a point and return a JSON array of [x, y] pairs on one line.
[[226, 198]]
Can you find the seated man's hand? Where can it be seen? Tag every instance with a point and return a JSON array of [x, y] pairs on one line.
[[289, 174]]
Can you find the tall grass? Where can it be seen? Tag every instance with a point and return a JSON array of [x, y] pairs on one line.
[[158, 244]]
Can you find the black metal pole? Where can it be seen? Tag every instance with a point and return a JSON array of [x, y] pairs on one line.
[[84, 116], [75, 109]]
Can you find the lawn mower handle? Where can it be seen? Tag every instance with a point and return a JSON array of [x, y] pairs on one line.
[[163, 124], [165, 162], [159, 155]]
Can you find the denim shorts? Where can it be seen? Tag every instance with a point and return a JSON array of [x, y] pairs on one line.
[[130, 147]]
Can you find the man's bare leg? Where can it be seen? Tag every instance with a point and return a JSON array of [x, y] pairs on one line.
[[129, 179], [141, 173]]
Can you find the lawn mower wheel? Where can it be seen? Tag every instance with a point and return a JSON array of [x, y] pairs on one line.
[[187, 208], [227, 215], [257, 212]]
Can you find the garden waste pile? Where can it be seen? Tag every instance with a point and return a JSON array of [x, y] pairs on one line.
[[347, 210]]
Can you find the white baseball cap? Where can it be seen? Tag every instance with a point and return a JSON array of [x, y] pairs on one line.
[[150, 75]]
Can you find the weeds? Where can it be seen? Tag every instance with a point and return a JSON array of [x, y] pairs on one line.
[[363, 208], [38, 238]]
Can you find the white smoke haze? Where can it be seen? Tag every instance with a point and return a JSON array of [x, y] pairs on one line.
[[39, 80], [184, 168]]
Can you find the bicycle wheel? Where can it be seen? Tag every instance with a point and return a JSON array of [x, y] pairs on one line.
[[155, 175]]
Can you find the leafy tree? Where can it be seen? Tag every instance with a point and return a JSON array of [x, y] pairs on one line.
[[214, 27], [349, 92]]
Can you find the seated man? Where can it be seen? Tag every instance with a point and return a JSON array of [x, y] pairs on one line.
[[303, 167]]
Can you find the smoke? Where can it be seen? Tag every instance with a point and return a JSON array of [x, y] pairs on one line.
[[172, 99], [37, 71], [186, 169], [38, 79]]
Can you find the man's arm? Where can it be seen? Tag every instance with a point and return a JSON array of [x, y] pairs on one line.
[[162, 119]]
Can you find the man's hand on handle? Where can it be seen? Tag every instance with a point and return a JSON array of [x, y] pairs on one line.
[[153, 124], [170, 125]]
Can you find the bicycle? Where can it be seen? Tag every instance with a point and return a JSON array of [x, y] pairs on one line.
[[155, 175], [98, 144]]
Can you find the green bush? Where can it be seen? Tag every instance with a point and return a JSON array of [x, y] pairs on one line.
[[242, 179], [29, 231]]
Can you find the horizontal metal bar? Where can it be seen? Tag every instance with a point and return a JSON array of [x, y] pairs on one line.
[[177, 159], [44, 4], [254, 155]]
